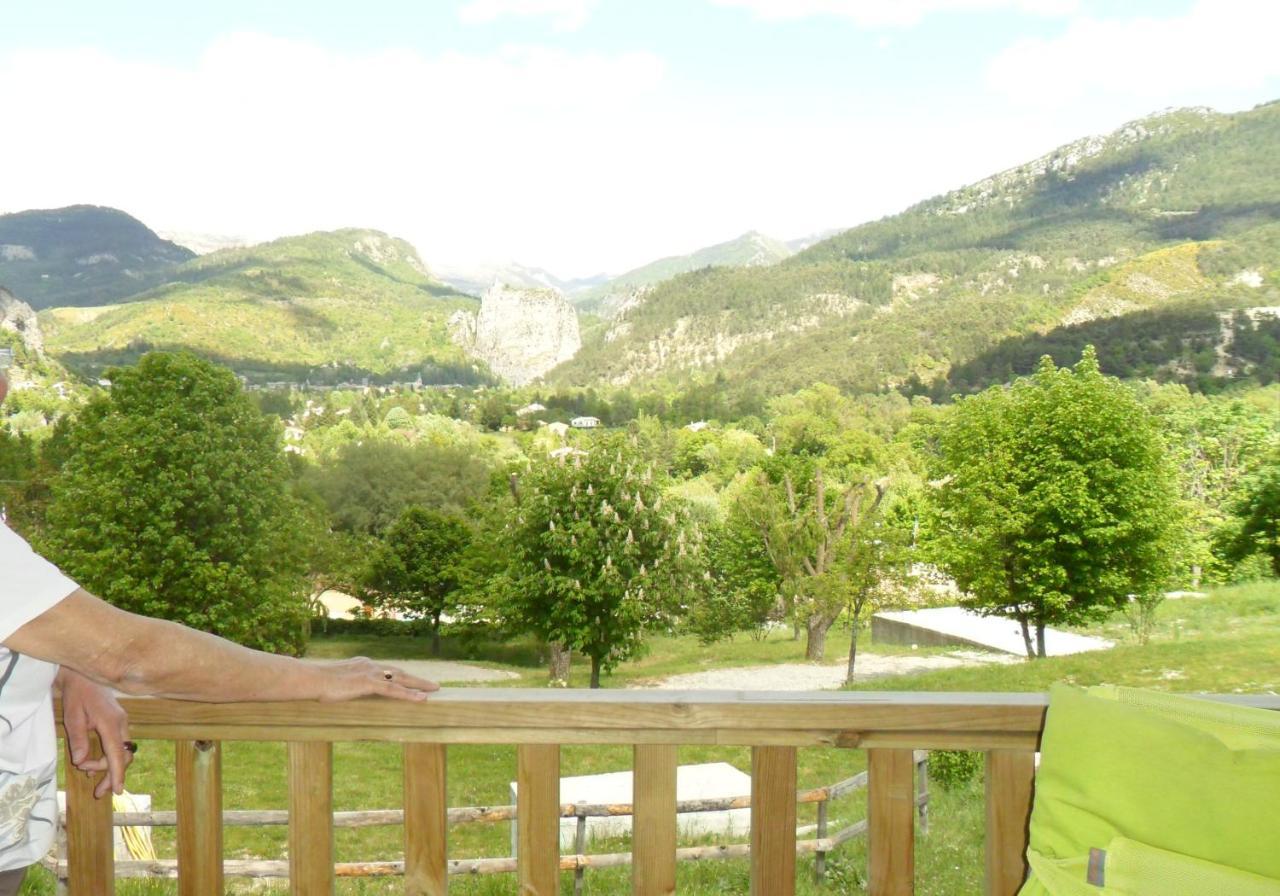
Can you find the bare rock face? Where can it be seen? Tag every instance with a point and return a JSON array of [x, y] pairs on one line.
[[519, 333], [16, 316]]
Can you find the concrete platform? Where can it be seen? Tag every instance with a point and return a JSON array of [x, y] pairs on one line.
[[958, 627], [711, 780]]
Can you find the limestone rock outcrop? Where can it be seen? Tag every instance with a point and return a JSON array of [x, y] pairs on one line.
[[520, 333], [17, 316]]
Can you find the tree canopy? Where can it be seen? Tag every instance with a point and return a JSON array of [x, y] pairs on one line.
[[1057, 502], [173, 502]]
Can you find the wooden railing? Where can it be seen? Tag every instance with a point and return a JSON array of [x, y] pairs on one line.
[[890, 726]]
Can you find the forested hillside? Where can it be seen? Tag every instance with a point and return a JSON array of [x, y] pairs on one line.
[[354, 302], [749, 250], [1175, 214], [82, 255]]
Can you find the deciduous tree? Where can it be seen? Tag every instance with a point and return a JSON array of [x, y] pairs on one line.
[[1057, 501]]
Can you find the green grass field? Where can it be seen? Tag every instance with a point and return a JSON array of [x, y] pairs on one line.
[[1227, 642]]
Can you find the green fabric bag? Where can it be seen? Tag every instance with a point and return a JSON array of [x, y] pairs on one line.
[[1142, 793]]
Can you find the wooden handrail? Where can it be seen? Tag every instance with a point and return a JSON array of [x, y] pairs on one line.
[[888, 724]]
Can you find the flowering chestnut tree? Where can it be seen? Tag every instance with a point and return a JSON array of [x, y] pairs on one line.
[[596, 555]]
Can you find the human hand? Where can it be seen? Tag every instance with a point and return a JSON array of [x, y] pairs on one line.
[[89, 707], [363, 677]]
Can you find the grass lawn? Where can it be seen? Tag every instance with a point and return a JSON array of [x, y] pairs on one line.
[[1228, 642]]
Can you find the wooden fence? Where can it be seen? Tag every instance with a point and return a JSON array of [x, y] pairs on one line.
[[889, 726], [823, 842]]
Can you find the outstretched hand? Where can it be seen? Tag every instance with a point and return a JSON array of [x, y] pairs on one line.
[[363, 677], [87, 707]]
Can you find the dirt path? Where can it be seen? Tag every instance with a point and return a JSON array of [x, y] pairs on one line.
[[811, 676]]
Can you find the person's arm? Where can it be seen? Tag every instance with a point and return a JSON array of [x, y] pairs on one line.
[[143, 656], [89, 707]]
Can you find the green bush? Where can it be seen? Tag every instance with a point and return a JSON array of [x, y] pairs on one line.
[[954, 768]]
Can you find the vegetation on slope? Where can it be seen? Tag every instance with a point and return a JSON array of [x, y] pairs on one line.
[[1191, 198], [355, 301], [81, 255]]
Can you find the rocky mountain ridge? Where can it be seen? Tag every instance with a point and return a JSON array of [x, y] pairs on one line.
[[518, 333]]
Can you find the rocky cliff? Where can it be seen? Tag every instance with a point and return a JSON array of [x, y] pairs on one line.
[[519, 333], [16, 316]]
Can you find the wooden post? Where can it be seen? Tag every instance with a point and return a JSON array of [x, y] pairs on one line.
[[426, 822], [653, 823], [579, 848], [922, 789], [1010, 776], [820, 856], [311, 818], [199, 802], [891, 821], [538, 819], [90, 853], [773, 821]]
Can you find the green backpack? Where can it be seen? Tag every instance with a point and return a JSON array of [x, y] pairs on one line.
[[1142, 793]]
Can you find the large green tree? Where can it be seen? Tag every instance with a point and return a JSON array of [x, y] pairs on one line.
[[173, 501], [415, 567], [596, 555], [1057, 503]]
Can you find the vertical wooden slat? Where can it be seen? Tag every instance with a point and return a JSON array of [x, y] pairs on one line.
[[1010, 775], [773, 821], [891, 813], [199, 803], [538, 819], [310, 818], [426, 824], [653, 829], [820, 857], [90, 853]]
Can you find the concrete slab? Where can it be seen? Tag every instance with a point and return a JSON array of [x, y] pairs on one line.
[[711, 780], [956, 626]]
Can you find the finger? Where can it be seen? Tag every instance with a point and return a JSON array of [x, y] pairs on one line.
[[405, 679], [77, 738], [400, 692], [98, 764]]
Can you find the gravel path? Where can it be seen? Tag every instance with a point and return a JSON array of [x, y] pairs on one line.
[[812, 676]]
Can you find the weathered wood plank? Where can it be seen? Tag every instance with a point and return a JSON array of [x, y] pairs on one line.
[[773, 821], [1009, 782], [90, 854], [426, 822], [653, 827], [310, 819], [538, 819], [198, 768], [891, 808]]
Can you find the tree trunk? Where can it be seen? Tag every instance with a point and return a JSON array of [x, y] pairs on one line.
[[595, 671], [853, 653], [1196, 573], [1040, 638], [560, 657], [815, 648], [435, 636], [1026, 638]]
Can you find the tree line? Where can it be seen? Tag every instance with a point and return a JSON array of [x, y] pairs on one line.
[[1061, 497]]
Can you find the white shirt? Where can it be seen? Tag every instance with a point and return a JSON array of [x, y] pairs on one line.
[[29, 585]]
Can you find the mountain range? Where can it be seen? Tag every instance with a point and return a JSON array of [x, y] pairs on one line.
[[1159, 242]]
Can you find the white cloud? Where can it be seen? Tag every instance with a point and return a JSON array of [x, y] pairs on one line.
[[894, 13], [465, 154], [1218, 45], [567, 15]]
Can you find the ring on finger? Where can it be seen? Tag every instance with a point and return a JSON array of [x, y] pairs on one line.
[[387, 674], [130, 746]]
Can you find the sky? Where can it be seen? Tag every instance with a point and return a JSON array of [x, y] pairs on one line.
[[581, 136]]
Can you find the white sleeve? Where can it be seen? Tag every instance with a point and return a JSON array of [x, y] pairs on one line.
[[29, 584]]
